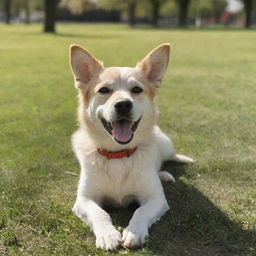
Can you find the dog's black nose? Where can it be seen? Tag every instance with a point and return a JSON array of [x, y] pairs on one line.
[[123, 107]]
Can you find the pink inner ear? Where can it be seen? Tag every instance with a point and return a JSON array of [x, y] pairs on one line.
[[84, 72], [154, 71]]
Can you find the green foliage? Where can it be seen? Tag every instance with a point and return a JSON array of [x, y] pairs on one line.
[[77, 6], [207, 105], [207, 8], [169, 9], [20, 5], [202, 8], [114, 4], [143, 7]]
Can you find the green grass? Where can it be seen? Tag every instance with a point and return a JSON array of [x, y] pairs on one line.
[[207, 105]]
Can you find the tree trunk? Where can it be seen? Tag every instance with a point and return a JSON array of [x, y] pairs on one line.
[[132, 10], [215, 11], [7, 8], [248, 12], [27, 11], [50, 15], [155, 12], [183, 12]]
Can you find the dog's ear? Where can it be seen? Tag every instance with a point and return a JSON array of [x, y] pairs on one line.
[[83, 65], [155, 64]]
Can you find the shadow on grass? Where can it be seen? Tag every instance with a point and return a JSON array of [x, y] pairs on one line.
[[193, 226]]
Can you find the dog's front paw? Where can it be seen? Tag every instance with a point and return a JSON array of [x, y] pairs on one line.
[[109, 240], [134, 236]]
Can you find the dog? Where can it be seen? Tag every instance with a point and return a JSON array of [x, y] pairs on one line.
[[119, 146]]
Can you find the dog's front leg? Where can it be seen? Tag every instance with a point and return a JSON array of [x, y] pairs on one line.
[[134, 235], [107, 237]]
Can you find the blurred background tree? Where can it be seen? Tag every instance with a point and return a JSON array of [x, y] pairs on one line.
[[248, 7], [20, 10], [183, 6], [77, 6], [127, 7], [132, 4], [50, 7], [180, 13], [155, 10], [7, 10], [146, 10], [206, 11], [217, 8], [27, 7]]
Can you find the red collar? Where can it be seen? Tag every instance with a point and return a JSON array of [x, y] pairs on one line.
[[117, 155]]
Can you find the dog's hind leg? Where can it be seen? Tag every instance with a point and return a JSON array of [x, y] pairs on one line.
[[166, 149], [182, 159]]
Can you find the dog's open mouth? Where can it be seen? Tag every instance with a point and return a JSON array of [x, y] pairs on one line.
[[122, 130]]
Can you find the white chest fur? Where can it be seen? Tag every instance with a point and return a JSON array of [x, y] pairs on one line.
[[119, 180]]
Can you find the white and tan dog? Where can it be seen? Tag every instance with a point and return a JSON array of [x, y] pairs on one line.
[[119, 146]]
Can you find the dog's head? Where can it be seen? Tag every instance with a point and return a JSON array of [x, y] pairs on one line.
[[118, 101]]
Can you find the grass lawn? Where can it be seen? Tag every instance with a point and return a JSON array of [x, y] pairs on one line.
[[208, 107]]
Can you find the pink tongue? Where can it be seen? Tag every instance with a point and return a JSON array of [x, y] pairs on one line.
[[122, 130]]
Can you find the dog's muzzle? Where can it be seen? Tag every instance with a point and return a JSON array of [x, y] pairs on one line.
[[122, 129]]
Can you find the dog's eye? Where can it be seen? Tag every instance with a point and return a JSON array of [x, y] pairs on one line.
[[136, 90], [104, 90]]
